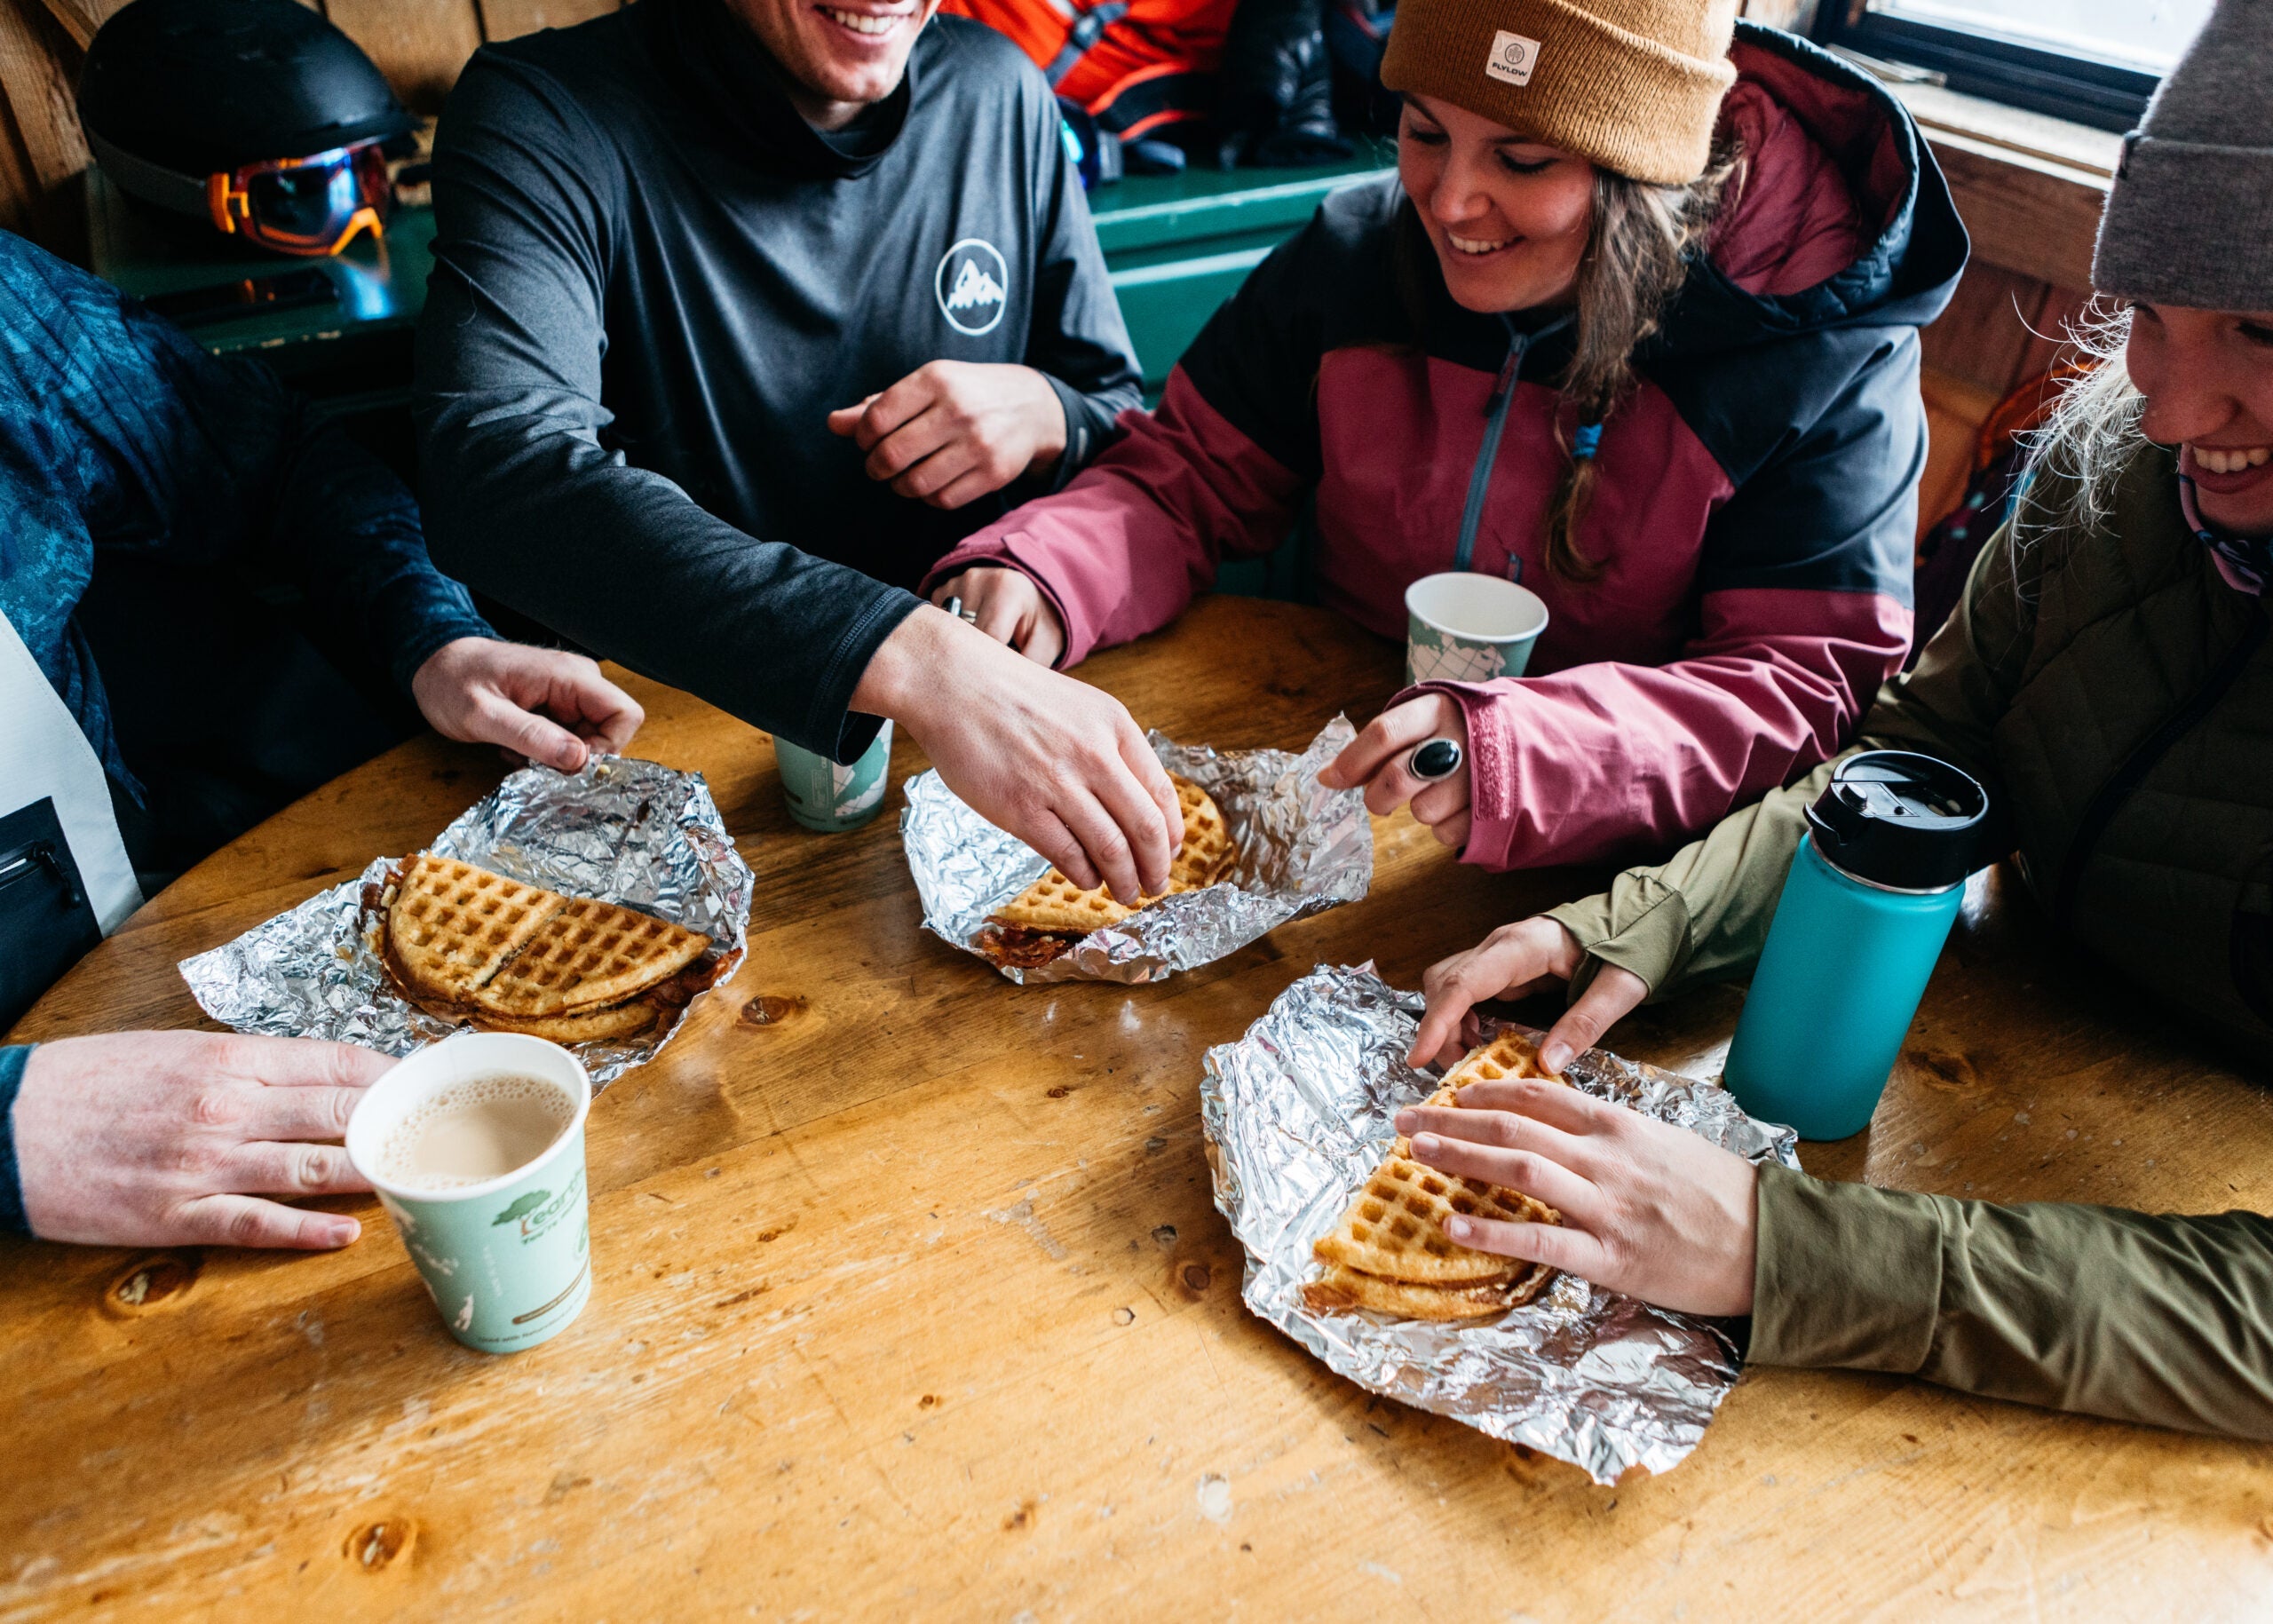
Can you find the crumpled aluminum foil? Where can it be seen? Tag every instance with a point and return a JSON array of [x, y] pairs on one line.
[[1300, 849], [1299, 1112], [622, 829]]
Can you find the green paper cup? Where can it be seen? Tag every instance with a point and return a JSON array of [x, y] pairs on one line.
[[507, 1260], [1462, 627], [825, 796]]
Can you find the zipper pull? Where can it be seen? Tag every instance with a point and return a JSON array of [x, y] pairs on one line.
[[1507, 378]]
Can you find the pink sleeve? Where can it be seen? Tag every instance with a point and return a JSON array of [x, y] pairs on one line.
[[1138, 534], [1605, 763]]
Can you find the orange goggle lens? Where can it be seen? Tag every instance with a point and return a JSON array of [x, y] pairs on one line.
[[308, 206]]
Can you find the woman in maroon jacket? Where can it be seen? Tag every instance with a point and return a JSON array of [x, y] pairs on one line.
[[1636, 328]]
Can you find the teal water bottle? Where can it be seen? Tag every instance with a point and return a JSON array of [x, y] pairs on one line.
[[1869, 901]]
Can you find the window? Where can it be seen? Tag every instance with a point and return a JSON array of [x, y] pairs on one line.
[[2093, 61]]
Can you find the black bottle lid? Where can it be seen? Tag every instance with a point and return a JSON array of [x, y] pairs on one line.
[[1896, 819]]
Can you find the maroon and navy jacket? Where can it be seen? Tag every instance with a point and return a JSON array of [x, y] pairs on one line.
[[1753, 512]]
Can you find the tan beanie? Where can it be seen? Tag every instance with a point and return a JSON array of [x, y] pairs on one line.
[[1634, 86]]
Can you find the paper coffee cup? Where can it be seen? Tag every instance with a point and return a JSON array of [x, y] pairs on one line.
[[508, 1261], [826, 796], [1463, 627]]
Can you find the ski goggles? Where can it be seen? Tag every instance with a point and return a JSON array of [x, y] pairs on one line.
[[310, 206]]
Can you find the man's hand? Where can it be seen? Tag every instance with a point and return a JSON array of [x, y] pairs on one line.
[[952, 430], [161, 1139], [1648, 1209], [1380, 757], [1511, 962], [1054, 761], [1010, 609], [542, 703]]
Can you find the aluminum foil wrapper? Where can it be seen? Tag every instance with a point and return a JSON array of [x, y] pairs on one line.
[[1299, 849], [623, 830], [1299, 1113]]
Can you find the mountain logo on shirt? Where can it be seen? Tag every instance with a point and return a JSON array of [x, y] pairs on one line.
[[973, 287]]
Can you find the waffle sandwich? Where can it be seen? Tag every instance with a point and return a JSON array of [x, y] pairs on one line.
[[1390, 1252], [1049, 916], [466, 944]]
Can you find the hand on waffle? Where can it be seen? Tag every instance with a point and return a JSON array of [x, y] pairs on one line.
[[466, 944], [1048, 917], [1640, 1207], [1394, 1251]]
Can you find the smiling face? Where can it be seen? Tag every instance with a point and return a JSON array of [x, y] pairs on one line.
[[1508, 218], [2208, 378], [840, 57]]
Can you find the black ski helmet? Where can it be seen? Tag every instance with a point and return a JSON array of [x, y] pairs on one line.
[[198, 87]]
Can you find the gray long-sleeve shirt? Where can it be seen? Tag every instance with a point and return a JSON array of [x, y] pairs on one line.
[[652, 282]]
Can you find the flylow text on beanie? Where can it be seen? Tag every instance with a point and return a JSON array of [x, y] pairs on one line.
[[2190, 219], [1632, 85]]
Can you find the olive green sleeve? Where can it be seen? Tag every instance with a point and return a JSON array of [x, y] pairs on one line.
[[2167, 1321], [1705, 913]]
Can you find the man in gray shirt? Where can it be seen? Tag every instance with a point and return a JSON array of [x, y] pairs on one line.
[[745, 311]]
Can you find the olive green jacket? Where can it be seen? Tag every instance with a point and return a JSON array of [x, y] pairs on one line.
[[2115, 696]]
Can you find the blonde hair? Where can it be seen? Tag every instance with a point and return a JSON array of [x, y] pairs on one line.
[[2077, 457]]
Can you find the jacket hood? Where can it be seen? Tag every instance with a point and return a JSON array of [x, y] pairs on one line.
[[1835, 171]]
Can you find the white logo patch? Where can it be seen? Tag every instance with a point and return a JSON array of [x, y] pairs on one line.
[[973, 287], [1512, 58]]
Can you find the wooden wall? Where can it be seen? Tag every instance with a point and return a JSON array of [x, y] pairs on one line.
[[2031, 221]]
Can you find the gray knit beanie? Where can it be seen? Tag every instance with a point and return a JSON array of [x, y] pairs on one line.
[[2190, 219]]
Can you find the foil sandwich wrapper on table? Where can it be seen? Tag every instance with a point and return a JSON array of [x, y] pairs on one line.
[[1298, 1112], [1298, 847], [622, 829]]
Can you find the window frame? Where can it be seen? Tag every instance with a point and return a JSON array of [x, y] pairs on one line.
[[2074, 88]]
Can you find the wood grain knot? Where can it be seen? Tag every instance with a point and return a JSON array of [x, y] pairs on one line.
[[772, 1009], [158, 1280], [376, 1546], [1024, 1518], [1059, 1092], [1944, 1070], [1197, 1277], [929, 1401]]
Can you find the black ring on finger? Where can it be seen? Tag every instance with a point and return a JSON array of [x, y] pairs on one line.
[[1434, 759]]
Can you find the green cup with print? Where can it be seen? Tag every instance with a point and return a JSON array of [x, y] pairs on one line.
[[827, 796], [1463, 627], [476, 1147]]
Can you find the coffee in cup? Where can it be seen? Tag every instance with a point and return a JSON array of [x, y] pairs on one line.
[[475, 1129], [476, 1147]]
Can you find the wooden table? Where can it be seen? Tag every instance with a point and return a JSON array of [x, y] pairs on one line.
[[911, 1300]]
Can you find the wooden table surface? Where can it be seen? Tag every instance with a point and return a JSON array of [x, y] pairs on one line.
[[911, 1301]]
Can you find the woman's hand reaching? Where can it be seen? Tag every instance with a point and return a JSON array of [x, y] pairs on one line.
[[1380, 757], [1008, 606], [1513, 962]]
